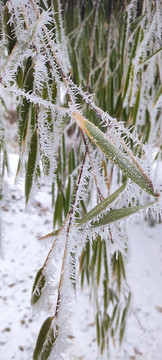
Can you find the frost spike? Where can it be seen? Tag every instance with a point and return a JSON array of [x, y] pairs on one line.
[[114, 154]]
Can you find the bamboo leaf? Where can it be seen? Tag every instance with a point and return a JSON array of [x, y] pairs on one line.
[[99, 259], [9, 29], [114, 312], [31, 165], [150, 56], [25, 106], [159, 93], [58, 210], [94, 256], [122, 326], [106, 273], [100, 207], [118, 274], [53, 233], [120, 258], [98, 329], [136, 106], [114, 154], [39, 284], [118, 214], [46, 340], [22, 46]]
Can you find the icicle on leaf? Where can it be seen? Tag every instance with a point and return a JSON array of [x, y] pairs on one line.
[[100, 207], [39, 284], [46, 339], [31, 165], [118, 214], [114, 154]]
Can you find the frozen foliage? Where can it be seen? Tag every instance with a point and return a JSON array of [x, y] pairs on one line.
[[87, 151]]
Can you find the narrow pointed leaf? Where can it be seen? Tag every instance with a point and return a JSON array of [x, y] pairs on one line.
[[39, 284], [99, 259], [100, 207], [118, 214], [31, 165], [22, 46], [9, 29], [45, 341], [114, 154], [24, 115], [53, 233], [150, 56]]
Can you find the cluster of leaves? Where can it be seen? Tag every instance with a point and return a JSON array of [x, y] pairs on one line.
[[52, 61]]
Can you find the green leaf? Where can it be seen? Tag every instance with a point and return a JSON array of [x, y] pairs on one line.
[[106, 272], [136, 38], [99, 259], [25, 106], [21, 46], [122, 326], [68, 194], [114, 154], [46, 340], [150, 56], [159, 93], [120, 259], [118, 214], [100, 207], [114, 312], [9, 29], [31, 165], [118, 274], [59, 206], [94, 256], [136, 106], [98, 329], [39, 284]]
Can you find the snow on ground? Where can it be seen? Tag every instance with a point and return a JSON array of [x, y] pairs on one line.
[[22, 256]]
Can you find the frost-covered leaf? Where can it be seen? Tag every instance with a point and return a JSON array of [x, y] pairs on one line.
[[100, 207], [114, 154], [46, 339], [24, 114], [9, 29], [38, 286], [118, 214]]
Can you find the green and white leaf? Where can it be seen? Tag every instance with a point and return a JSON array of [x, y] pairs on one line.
[[38, 286], [114, 154], [119, 214], [100, 207], [46, 339]]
